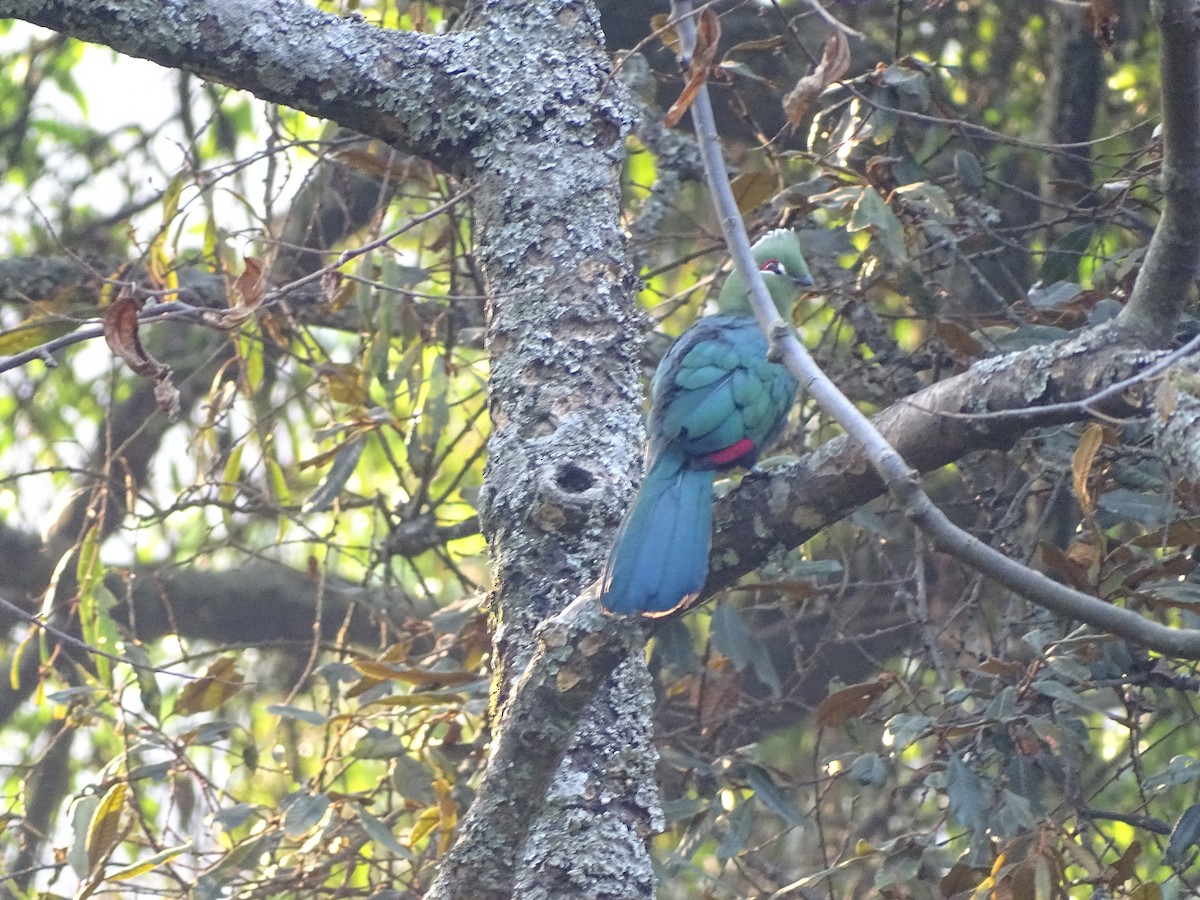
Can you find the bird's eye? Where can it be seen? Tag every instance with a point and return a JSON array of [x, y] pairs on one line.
[[774, 266]]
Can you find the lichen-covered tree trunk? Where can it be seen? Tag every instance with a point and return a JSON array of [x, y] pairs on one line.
[[566, 432]]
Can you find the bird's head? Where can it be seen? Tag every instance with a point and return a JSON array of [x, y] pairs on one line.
[[783, 269]]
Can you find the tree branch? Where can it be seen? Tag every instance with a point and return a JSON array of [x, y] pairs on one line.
[[1163, 285], [399, 86]]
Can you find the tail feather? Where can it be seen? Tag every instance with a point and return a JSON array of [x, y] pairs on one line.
[[660, 558]]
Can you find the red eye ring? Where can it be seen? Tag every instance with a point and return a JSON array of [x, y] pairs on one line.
[[773, 266]]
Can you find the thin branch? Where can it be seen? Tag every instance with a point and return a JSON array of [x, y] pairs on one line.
[[65, 638]]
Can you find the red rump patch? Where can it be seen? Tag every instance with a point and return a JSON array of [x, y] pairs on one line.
[[732, 453]]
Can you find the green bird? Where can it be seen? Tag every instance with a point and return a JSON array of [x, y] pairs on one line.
[[715, 403]]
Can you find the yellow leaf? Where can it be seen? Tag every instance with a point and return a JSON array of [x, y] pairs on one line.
[[149, 863], [412, 674], [34, 332], [447, 815], [345, 383], [752, 189], [425, 823], [220, 682], [105, 828]]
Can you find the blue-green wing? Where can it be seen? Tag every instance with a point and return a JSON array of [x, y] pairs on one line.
[[714, 389]]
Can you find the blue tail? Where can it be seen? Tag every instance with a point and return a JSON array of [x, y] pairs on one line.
[[660, 558]]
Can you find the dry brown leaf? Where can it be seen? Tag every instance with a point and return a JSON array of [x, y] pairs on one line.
[[1102, 16], [120, 325], [1166, 399], [1058, 563], [121, 335], [850, 703], [1125, 867], [835, 62], [166, 395], [250, 286], [221, 680], [1081, 465], [708, 34], [959, 339], [376, 160], [1001, 668], [1084, 553]]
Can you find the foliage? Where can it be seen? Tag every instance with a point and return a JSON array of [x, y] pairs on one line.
[[862, 718]]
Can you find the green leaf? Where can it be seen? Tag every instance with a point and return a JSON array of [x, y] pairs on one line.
[[344, 464], [730, 637], [1056, 690], [815, 568], [312, 717], [968, 171], [869, 770], [378, 832], [379, 744], [302, 813], [767, 792], [82, 810], [970, 801], [413, 780], [1055, 297], [1015, 813], [95, 601], [1179, 593], [151, 772], [912, 82], [1182, 769], [34, 333], [683, 808], [1184, 835], [1063, 258], [147, 683], [871, 213], [1024, 777], [1151, 509], [738, 825], [673, 647], [235, 816], [1003, 705], [1008, 340], [905, 729]]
